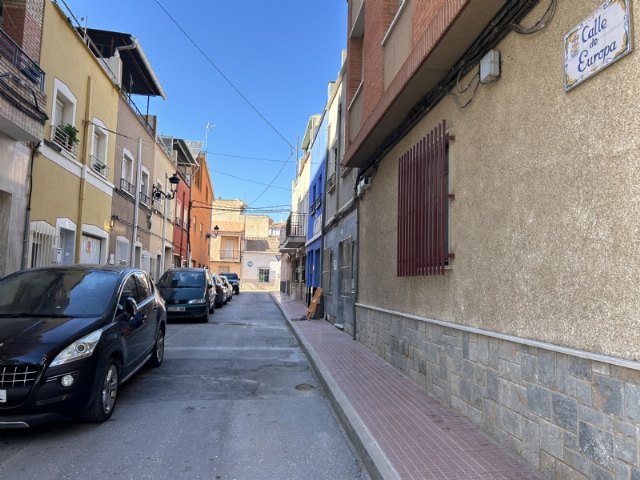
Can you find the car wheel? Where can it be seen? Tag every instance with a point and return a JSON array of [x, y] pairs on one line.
[[157, 355], [205, 317], [105, 392]]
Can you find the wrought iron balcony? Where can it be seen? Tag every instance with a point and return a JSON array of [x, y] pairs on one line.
[[145, 199], [295, 232], [19, 59], [61, 138], [127, 187], [99, 166]]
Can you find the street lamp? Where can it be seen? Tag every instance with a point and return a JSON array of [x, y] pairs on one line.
[[216, 230], [174, 180]]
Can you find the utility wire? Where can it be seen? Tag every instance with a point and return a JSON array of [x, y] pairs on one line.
[[202, 52], [271, 183], [250, 181]]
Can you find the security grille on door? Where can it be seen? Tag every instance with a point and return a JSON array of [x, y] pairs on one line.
[[42, 250], [123, 251]]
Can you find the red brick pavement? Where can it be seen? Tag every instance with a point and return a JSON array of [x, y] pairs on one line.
[[419, 437]]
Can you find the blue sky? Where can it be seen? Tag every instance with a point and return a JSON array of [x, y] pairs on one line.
[[280, 54]]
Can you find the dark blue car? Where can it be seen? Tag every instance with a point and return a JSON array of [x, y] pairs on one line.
[[70, 336], [188, 293]]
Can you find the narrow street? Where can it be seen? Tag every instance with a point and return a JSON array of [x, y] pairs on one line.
[[234, 399]]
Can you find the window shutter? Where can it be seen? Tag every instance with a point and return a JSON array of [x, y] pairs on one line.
[[423, 206]]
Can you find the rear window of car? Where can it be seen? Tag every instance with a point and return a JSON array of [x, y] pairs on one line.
[[182, 280], [230, 276], [54, 293]]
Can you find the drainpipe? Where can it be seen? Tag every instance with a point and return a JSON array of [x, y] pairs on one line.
[[85, 165], [27, 219], [136, 206], [356, 257]]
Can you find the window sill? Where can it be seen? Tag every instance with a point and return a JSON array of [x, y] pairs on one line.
[[394, 22], [356, 95]]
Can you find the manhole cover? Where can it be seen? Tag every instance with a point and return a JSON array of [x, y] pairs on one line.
[[305, 387]]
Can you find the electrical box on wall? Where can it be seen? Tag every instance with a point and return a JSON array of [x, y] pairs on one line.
[[490, 67]]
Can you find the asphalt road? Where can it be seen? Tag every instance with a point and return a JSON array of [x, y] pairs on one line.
[[234, 399]]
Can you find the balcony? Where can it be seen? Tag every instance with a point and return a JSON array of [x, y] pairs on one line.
[[127, 187], [294, 234], [19, 59], [228, 256], [62, 139], [315, 206], [99, 166]]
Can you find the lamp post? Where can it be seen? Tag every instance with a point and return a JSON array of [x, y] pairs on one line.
[[174, 181]]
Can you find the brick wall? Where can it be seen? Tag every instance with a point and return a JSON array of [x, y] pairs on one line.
[[430, 21], [22, 21]]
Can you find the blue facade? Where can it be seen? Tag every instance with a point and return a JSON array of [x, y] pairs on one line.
[[316, 207]]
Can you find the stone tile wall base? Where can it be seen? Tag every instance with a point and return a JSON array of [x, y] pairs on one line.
[[568, 416]]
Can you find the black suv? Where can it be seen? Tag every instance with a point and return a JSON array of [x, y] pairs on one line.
[[234, 281], [70, 336]]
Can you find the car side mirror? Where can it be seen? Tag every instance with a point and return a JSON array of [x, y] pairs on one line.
[[130, 306]]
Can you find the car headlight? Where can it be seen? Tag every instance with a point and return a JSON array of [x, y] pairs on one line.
[[82, 348], [198, 301]]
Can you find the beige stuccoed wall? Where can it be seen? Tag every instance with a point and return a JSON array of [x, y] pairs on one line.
[[545, 225]]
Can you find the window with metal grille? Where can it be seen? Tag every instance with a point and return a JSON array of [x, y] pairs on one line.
[[423, 206], [346, 265], [263, 275]]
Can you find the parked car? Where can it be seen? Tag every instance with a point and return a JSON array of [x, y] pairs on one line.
[[70, 336], [234, 280], [227, 284], [220, 290], [188, 293]]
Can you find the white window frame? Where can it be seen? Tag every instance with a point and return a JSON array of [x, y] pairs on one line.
[[144, 186], [262, 269], [62, 93], [100, 145], [128, 176]]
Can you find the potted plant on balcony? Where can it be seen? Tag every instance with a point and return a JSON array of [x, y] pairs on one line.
[[70, 137]]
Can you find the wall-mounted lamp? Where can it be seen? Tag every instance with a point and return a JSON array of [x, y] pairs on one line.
[[216, 230], [174, 180], [112, 222]]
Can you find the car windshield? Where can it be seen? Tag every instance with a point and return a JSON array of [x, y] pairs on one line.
[[182, 280], [57, 293], [231, 276]]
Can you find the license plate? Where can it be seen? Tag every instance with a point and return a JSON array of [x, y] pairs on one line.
[[3, 396], [176, 309]]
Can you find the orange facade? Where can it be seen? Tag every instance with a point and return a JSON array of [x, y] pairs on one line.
[[201, 202]]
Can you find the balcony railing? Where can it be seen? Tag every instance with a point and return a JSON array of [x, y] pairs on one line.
[[19, 59], [145, 199], [63, 140], [229, 255], [296, 225], [99, 166], [127, 187], [331, 183], [317, 203]]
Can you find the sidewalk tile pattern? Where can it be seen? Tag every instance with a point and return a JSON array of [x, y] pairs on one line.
[[421, 438]]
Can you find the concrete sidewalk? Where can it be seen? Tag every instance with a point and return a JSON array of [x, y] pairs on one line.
[[399, 431]]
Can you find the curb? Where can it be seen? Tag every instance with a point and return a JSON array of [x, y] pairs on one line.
[[374, 460]]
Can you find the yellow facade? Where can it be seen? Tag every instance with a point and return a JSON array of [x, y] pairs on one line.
[[72, 184]]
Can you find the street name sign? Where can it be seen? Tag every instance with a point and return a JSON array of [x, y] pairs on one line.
[[597, 42]]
